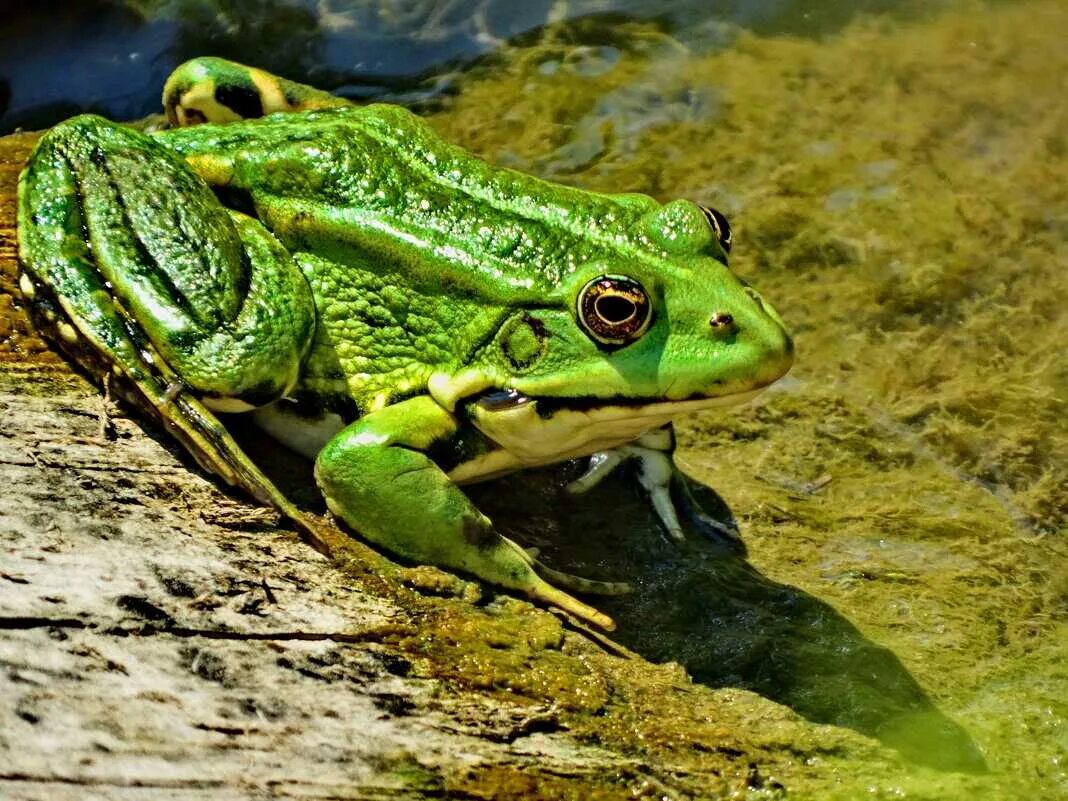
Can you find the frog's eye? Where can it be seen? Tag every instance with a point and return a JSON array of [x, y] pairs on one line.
[[614, 310], [719, 225]]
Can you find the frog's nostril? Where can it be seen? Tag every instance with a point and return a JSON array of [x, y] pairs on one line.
[[722, 325], [721, 320]]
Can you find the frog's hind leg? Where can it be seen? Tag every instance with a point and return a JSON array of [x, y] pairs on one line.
[[133, 266], [211, 89]]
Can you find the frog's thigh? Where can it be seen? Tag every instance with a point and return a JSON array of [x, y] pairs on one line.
[[107, 211], [96, 201], [375, 477]]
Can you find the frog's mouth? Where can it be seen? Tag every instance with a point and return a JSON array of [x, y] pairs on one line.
[[535, 431], [548, 407]]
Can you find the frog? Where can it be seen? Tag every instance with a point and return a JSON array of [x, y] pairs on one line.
[[407, 316]]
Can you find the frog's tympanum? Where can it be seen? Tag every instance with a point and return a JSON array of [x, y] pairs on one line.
[[386, 304]]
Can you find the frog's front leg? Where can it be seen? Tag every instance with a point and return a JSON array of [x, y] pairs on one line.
[[668, 489], [376, 476]]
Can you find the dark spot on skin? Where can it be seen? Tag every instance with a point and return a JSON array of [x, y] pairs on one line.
[[236, 199], [537, 326], [476, 532], [243, 100], [720, 320]]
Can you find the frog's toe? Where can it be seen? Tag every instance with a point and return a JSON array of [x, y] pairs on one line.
[[579, 584], [569, 580], [601, 464], [552, 596], [723, 534], [536, 584]]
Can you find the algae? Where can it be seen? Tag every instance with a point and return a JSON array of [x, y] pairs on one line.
[[900, 191]]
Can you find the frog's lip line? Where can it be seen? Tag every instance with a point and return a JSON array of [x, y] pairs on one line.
[[626, 408]]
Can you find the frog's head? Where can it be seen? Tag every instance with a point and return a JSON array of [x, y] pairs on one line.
[[634, 339]]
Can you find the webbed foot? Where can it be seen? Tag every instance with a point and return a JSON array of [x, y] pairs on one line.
[[667, 488]]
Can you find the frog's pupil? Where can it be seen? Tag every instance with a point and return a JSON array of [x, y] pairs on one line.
[[614, 309]]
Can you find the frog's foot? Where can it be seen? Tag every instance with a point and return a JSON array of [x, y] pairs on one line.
[[721, 533], [216, 90], [569, 580], [543, 583], [651, 451], [665, 486]]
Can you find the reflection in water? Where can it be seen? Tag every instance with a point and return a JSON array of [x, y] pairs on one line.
[[708, 609]]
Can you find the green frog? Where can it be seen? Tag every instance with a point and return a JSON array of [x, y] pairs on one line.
[[406, 315]]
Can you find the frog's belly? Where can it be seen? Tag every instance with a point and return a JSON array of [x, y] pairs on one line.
[[305, 435], [308, 435], [524, 439]]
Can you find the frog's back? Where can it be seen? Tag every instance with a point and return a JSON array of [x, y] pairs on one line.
[[375, 185]]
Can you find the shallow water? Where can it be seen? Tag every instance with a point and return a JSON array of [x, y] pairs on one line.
[[400, 50], [899, 190]]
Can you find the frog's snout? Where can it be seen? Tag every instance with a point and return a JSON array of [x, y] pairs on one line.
[[756, 329]]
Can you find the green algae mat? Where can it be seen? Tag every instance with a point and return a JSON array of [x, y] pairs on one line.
[[900, 191], [897, 628]]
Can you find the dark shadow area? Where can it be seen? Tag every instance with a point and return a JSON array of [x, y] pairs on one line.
[[705, 607], [701, 605]]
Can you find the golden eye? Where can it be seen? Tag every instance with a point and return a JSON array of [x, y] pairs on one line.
[[719, 225], [614, 310]]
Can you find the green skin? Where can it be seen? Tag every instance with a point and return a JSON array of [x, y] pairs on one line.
[[371, 291]]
